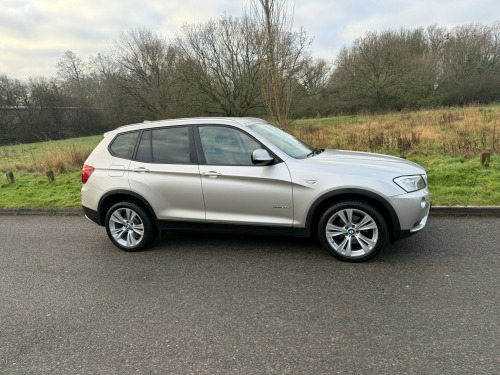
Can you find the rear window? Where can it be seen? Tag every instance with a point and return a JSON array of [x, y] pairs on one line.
[[123, 145]]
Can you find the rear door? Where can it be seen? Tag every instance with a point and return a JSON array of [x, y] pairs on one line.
[[165, 172]]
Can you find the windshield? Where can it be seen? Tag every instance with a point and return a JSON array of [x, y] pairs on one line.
[[285, 142]]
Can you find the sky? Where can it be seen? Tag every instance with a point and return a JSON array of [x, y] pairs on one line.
[[34, 34]]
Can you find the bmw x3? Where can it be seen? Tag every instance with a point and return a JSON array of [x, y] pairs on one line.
[[245, 175]]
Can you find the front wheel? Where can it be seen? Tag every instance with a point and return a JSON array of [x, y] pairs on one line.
[[130, 227], [352, 231]]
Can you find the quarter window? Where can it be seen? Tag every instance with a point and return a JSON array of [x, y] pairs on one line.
[[123, 145]]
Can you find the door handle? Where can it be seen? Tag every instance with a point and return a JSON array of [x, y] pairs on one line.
[[140, 169], [212, 174]]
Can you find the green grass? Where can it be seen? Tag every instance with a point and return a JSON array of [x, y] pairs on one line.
[[460, 181], [33, 190]]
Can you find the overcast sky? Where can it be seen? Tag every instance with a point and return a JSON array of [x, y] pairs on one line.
[[34, 34]]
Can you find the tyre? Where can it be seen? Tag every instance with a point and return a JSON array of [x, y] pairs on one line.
[[130, 227], [352, 231]]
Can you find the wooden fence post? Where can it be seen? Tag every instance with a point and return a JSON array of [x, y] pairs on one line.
[[50, 176], [485, 159], [10, 177]]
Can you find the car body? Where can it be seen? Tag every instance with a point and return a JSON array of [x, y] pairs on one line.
[[245, 175]]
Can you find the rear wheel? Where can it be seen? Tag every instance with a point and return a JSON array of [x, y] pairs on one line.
[[353, 231], [130, 227]]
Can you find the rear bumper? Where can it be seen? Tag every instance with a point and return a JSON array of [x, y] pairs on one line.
[[92, 215]]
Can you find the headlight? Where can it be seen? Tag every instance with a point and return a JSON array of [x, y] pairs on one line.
[[410, 183]]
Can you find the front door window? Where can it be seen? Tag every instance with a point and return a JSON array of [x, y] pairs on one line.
[[227, 146]]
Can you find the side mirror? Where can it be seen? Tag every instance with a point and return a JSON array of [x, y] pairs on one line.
[[261, 157]]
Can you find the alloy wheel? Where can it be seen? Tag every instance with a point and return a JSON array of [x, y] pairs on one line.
[[126, 227], [352, 232]]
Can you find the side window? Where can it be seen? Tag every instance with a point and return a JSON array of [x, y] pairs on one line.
[[144, 149], [123, 145], [171, 145], [227, 146]]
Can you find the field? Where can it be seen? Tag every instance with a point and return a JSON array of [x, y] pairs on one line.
[[59, 156], [447, 142], [456, 132]]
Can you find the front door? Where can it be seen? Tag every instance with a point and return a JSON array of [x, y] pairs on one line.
[[234, 189]]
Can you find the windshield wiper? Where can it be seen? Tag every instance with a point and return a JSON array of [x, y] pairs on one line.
[[316, 151]]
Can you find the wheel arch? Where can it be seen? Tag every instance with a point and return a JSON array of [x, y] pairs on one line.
[[326, 200], [115, 196]]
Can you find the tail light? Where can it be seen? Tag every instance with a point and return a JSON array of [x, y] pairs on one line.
[[86, 173]]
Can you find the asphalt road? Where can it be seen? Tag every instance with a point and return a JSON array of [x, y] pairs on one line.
[[71, 303]]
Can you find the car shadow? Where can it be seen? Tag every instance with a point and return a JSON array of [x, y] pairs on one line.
[[217, 242]]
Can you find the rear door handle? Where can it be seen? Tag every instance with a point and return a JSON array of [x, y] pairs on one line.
[[140, 169], [212, 174]]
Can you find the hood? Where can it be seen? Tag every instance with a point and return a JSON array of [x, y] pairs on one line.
[[369, 160]]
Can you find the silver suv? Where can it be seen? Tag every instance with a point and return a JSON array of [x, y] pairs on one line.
[[245, 175]]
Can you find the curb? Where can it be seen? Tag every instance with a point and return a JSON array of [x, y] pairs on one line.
[[435, 211], [465, 211], [43, 211]]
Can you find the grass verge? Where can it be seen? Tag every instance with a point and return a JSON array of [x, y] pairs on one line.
[[33, 190], [460, 181]]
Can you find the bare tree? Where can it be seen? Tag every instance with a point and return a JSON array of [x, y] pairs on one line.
[[112, 103], [103, 65], [44, 92], [385, 70], [220, 62], [146, 72], [73, 73], [414, 68], [314, 76], [15, 116], [470, 64], [284, 53], [47, 104]]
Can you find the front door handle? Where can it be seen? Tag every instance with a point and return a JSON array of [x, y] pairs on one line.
[[212, 174], [140, 169]]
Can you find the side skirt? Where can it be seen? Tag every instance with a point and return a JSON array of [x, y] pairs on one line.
[[182, 226]]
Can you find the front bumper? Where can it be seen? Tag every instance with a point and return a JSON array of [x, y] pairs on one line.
[[412, 210], [421, 223]]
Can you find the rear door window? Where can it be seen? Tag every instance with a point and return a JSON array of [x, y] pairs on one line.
[[171, 145], [144, 154]]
